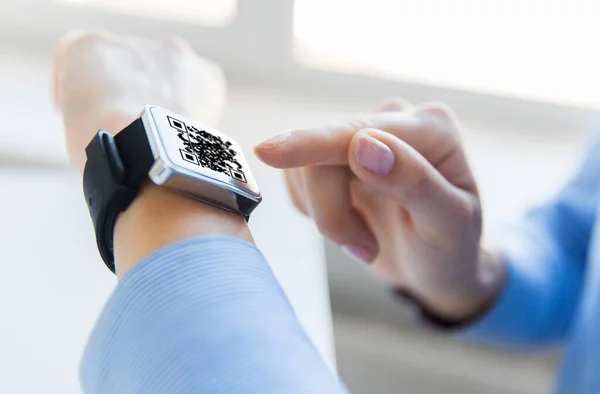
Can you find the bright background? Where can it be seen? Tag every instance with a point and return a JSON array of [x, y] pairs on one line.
[[520, 74]]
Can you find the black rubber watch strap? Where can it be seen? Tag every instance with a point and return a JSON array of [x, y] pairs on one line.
[[115, 168]]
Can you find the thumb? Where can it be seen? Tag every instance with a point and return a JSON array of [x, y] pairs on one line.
[[395, 169]]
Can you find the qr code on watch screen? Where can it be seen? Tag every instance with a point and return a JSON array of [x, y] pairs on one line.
[[207, 150]]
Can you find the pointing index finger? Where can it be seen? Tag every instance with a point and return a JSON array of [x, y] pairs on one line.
[[428, 134], [324, 146]]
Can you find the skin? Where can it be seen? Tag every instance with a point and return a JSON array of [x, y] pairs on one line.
[[395, 190], [102, 81], [413, 213]]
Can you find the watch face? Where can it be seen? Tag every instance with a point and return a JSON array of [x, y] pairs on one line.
[[199, 150]]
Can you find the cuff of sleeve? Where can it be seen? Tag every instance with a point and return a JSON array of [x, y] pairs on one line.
[[202, 249], [498, 322], [493, 323], [535, 306], [524, 315]]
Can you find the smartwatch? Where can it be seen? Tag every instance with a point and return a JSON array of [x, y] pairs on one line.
[[172, 151]]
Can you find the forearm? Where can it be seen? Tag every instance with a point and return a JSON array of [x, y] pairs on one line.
[[197, 308], [192, 312], [202, 315], [159, 217]]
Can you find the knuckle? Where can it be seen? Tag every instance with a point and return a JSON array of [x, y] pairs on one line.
[[447, 137], [394, 104], [437, 123], [85, 38], [439, 110], [79, 44]]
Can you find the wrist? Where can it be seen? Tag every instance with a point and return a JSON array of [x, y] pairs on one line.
[[159, 217], [474, 297]]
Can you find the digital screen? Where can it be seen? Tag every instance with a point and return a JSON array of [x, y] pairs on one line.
[[199, 148]]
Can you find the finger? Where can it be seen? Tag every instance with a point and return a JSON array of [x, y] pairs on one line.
[[394, 105], [444, 149], [430, 129], [326, 145], [384, 217], [330, 205], [396, 170], [329, 144], [294, 182]]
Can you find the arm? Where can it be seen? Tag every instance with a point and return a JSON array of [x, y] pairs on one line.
[[197, 308], [545, 260], [204, 314]]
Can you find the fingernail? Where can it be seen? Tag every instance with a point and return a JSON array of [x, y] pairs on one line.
[[374, 155], [357, 253], [274, 142]]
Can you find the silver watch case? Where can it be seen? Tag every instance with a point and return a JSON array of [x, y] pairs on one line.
[[199, 161]]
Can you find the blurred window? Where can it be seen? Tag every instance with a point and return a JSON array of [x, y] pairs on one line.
[[205, 12], [533, 49]]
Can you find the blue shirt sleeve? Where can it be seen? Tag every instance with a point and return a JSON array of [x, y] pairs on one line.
[[546, 258], [203, 315]]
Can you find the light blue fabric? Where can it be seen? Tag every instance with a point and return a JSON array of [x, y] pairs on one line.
[[204, 315], [552, 293]]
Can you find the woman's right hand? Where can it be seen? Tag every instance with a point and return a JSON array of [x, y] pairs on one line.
[[395, 190]]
